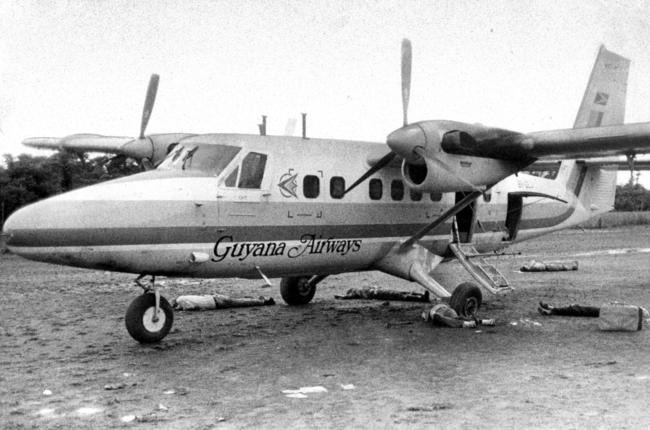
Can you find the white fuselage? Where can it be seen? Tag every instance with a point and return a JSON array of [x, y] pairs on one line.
[[180, 222]]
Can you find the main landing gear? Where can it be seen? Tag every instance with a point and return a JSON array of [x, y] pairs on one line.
[[466, 299], [299, 290], [149, 317]]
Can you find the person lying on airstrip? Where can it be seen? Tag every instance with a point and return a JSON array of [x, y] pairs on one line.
[[444, 316]]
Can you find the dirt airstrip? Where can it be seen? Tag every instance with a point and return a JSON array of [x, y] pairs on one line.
[[66, 360]]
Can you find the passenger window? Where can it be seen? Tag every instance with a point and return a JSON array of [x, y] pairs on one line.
[[435, 197], [252, 170], [416, 196], [396, 189], [375, 189], [311, 186], [231, 180], [337, 187]]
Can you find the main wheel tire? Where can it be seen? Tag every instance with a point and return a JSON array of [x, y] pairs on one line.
[[296, 291], [466, 299], [139, 319]]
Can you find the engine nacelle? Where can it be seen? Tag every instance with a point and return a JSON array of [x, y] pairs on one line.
[[436, 170]]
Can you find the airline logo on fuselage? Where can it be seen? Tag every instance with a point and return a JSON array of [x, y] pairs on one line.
[[288, 184], [226, 247]]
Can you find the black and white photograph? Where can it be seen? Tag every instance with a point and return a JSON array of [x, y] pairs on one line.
[[222, 214]]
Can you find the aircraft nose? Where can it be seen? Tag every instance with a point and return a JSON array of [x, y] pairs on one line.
[[23, 226], [404, 140]]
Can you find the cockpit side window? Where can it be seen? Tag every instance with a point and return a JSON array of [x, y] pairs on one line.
[[200, 159], [252, 170], [231, 180]]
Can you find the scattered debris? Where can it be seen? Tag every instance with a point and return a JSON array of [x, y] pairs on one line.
[[181, 391], [375, 293], [45, 412], [432, 408], [162, 407], [127, 418], [398, 323], [602, 363], [348, 386], [151, 417], [549, 266], [47, 392], [301, 392], [526, 322], [307, 390], [117, 386], [86, 411]]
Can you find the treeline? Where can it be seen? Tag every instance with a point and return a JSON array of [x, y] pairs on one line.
[[632, 198], [26, 178]]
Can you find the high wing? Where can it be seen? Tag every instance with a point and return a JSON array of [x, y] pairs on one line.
[[628, 139], [150, 150], [80, 143]]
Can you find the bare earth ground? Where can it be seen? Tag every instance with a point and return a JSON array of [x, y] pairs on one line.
[[62, 329]]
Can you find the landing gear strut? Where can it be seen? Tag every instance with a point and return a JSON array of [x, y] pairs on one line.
[[149, 317]]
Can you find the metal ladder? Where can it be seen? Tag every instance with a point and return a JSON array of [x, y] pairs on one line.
[[482, 271]]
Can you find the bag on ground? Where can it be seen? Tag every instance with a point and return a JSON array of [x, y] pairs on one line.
[[620, 317]]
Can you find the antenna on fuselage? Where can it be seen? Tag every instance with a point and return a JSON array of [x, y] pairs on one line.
[[304, 125], [262, 126]]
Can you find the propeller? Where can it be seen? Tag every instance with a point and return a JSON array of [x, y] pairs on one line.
[[149, 101], [147, 150], [407, 59]]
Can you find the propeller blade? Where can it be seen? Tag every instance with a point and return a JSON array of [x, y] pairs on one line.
[[374, 169], [148, 103], [406, 77]]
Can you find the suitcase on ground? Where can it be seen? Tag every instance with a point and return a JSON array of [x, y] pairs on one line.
[[620, 317]]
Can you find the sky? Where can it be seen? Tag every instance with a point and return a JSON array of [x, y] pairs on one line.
[[83, 66]]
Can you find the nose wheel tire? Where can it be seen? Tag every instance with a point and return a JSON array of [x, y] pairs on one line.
[[466, 299], [141, 322], [297, 291]]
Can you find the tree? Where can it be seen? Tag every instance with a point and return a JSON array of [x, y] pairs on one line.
[[27, 178], [632, 197]]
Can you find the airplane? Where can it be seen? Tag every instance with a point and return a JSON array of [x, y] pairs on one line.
[[300, 209]]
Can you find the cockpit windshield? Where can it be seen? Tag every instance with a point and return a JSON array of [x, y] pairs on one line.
[[200, 158]]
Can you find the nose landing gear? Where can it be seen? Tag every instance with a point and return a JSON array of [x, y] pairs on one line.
[[149, 317]]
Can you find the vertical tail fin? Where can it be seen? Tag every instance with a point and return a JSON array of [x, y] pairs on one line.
[[604, 100], [603, 103]]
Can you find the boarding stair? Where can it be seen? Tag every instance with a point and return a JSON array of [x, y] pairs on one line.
[[485, 273]]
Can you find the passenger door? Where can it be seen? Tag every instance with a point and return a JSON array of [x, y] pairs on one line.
[[244, 187]]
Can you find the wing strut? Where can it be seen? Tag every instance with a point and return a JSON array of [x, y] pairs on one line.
[[374, 169], [466, 201]]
